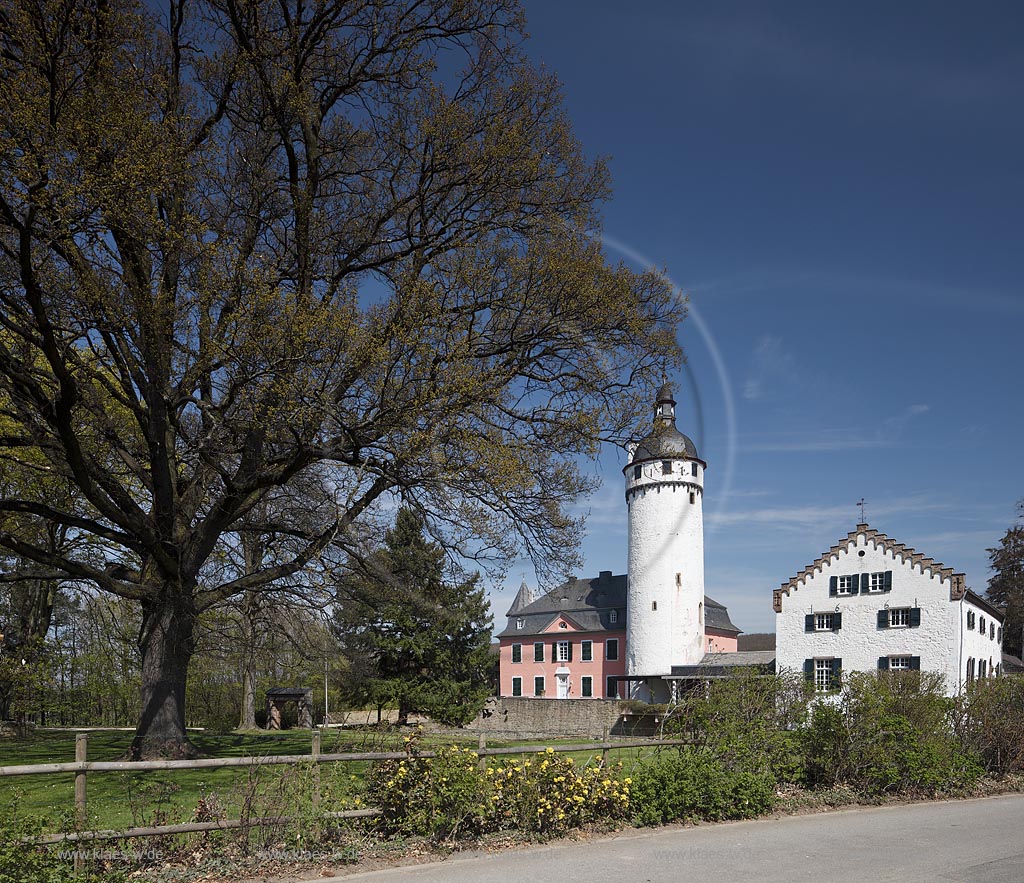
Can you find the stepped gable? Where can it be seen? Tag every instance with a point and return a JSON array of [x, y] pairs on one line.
[[900, 551]]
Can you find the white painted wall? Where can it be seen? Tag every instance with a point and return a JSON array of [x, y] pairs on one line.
[[978, 645], [666, 566], [940, 640]]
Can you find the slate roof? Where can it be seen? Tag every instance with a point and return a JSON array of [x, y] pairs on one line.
[[1012, 665], [718, 665], [665, 441], [986, 605], [589, 603]]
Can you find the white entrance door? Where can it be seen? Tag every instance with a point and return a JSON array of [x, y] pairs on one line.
[[562, 686]]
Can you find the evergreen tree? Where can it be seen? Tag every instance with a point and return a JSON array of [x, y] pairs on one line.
[[423, 640], [1006, 586]]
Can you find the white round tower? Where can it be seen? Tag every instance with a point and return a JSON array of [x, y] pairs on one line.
[[665, 601]]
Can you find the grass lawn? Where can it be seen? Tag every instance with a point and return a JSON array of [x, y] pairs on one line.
[[120, 800]]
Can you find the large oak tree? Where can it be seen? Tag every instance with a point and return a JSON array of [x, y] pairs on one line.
[[246, 242]]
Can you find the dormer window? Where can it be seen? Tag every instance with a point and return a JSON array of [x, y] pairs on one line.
[[613, 616], [520, 623]]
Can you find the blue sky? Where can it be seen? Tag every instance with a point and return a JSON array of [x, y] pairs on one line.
[[839, 190]]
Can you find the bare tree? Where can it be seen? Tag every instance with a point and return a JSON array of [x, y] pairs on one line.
[[243, 242]]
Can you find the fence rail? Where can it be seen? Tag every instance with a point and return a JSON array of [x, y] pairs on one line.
[[81, 767]]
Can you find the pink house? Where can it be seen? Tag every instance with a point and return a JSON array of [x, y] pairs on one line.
[[571, 642]]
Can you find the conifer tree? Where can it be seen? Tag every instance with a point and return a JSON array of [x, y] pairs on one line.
[[1006, 586], [423, 639]]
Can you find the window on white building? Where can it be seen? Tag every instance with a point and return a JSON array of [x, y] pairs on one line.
[[899, 617], [823, 680], [693, 469], [517, 686], [823, 622], [586, 651], [970, 619], [876, 582], [991, 631], [611, 649], [586, 686], [666, 467], [999, 635], [981, 624], [637, 471], [899, 663], [563, 652], [981, 668], [845, 585], [970, 669], [517, 652]]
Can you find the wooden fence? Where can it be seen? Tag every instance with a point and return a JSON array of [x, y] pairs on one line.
[[81, 767]]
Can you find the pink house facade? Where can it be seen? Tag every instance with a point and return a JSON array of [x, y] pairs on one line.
[[571, 642]]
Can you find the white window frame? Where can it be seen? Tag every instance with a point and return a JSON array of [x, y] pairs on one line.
[[562, 651], [518, 647], [823, 622], [876, 581], [900, 663], [613, 616], [517, 682], [845, 585], [899, 617], [587, 680], [586, 651], [520, 623], [823, 675], [607, 646], [614, 692], [543, 685]]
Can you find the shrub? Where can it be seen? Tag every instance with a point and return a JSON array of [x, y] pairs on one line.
[[989, 720], [887, 733], [692, 784], [449, 796]]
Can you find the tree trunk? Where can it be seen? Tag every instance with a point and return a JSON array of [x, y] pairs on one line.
[[167, 642], [247, 719]]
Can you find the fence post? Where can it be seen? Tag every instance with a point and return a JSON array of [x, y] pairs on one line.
[[81, 814], [481, 743], [604, 747], [316, 768]]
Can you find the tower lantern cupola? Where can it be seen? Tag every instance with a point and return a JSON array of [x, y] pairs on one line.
[[665, 407]]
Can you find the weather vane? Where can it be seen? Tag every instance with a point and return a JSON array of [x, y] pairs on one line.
[[861, 504]]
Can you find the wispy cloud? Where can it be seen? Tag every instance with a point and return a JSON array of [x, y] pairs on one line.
[[803, 517], [771, 366], [888, 433]]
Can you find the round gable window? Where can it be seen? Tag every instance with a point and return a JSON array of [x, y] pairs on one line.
[[563, 625]]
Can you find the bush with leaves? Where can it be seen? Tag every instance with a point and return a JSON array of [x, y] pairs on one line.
[[693, 784], [747, 722], [989, 720], [449, 796], [887, 733]]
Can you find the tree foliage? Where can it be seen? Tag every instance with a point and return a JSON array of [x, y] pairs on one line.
[[423, 640], [246, 242], [1006, 586]]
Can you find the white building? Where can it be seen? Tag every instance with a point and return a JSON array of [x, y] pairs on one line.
[[871, 603], [665, 604]]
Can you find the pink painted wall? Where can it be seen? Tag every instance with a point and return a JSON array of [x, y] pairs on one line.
[[719, 642], [599, 669]]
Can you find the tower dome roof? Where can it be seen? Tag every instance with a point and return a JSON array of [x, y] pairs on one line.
[[665, 440]]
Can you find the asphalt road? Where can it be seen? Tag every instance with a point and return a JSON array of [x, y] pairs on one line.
[[969, 841]]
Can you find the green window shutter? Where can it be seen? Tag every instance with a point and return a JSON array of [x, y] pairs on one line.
[[833, 585], [888, 581], [809, 622], [809, 668], [837, 670], [915, 617], [883, 618], [837, 621], [854, 584], [883, 663], [865, 582], [915, 663], [554, 651], [570, 652], [538, 652]]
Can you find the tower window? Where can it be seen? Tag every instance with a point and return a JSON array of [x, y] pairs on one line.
[[679, 580], [693, 468], [654, 605], [693, 497], [666, 467], [637, 471]]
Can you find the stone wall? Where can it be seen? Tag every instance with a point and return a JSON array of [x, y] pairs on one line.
[[525, 717]]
